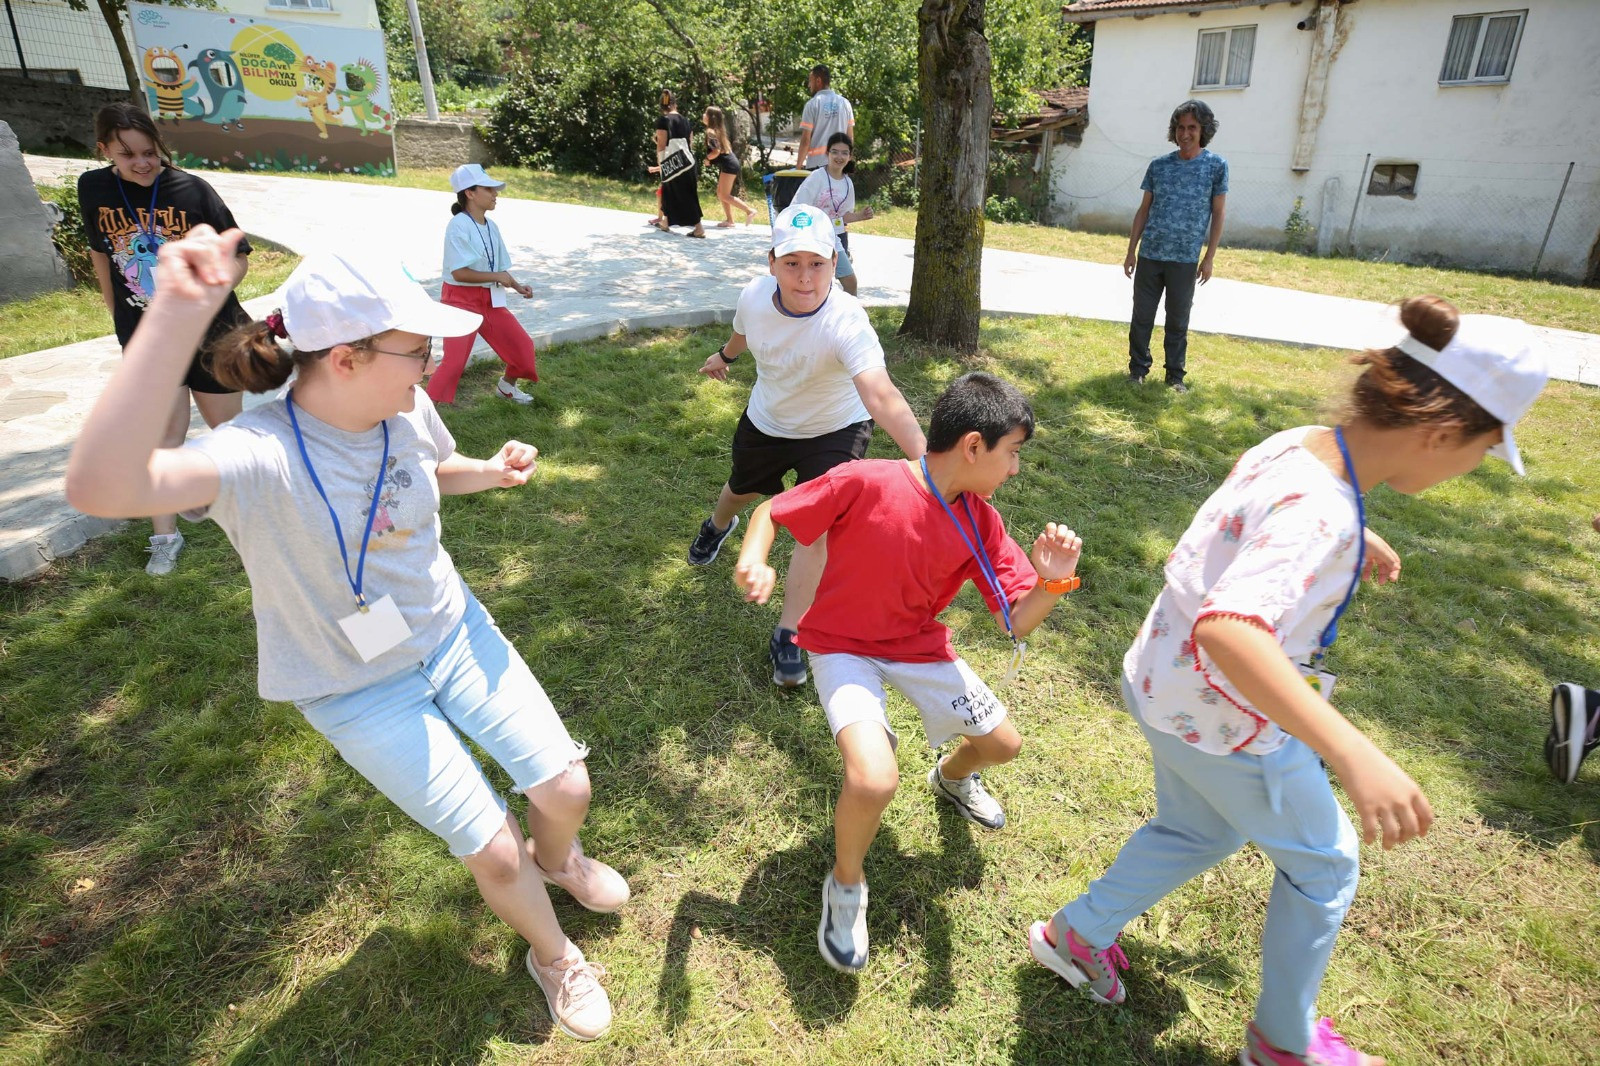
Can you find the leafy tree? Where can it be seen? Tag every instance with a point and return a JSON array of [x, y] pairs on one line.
[[464, 37]]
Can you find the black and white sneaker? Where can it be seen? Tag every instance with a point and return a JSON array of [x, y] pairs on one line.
[[969, 797], [842, 933], [708, 542], [1574, 730], [788, 664]]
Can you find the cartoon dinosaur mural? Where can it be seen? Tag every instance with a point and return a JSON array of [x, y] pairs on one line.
[[220, 76], [168, 92], [361, 81], [320, 80]]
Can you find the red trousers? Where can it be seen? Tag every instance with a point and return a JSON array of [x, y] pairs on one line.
[[500, 328]]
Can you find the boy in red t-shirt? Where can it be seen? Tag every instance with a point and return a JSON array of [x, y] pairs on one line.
[[903, 537]]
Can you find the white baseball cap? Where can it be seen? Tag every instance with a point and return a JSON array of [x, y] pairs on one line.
[[1497, 362], [468, 175], [803, 228], [340, 298]]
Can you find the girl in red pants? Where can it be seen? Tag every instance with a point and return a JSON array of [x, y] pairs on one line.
[[476, 279]]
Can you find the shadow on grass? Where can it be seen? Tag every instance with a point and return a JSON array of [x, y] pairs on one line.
[[778, 908]]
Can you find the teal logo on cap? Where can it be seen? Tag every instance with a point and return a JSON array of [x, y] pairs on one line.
[[801, 219]]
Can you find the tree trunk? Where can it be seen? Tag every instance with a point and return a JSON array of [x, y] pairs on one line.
[[957, 109], [113, 16]]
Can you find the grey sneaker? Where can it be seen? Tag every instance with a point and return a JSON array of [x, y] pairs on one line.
[[788, 664], [578, 1005], [842, 933], [970, 798], [1079, 963], [508, 390], [163, 554], [708, 542]]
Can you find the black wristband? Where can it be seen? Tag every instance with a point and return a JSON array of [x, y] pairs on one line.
[[722, 353]]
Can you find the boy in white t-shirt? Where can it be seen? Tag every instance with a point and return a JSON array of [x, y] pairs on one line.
[[820, 385]]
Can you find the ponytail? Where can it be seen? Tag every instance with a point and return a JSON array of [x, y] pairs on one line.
[[249, 358], [669, 100], [461, 203]]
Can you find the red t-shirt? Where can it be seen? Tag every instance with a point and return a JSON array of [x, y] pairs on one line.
[[894, 560]]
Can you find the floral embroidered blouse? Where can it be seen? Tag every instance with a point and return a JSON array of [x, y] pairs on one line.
[[1277, 543]]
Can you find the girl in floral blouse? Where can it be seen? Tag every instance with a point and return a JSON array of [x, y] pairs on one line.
[[1225, 678]]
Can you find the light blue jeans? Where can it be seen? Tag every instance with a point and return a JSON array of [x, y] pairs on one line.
[[1207, 806], [401, 733]]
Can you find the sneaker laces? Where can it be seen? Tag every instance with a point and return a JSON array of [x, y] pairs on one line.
[[574, 990], [1111, 958]]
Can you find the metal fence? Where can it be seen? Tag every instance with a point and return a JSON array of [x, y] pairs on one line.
[[47, 40], [1533, 217]]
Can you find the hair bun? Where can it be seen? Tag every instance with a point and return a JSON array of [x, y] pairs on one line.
[[1431, 319]]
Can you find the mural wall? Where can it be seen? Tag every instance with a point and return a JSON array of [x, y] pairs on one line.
[[252, 93]]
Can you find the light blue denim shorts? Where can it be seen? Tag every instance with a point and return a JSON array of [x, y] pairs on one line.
[[404, 733]]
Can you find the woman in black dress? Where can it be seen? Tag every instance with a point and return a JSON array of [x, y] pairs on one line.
[[680, 197]]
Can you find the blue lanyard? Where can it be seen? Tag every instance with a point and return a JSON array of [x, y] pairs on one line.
[[155, 187], [338, 531], [975, 546], [1331, 632], [488, 244]]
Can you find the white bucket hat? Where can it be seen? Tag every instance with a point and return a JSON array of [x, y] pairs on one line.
[[337, 298], [468, 175], [1497, 362], [803, 228]]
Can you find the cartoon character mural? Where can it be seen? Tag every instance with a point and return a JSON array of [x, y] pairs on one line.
[[168, 93], [220, 76], [319, 81], [361, 82]]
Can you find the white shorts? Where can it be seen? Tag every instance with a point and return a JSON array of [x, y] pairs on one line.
[[953, 701]]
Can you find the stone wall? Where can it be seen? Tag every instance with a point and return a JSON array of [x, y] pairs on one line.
[[449, 142], [51, 118], [32, 265]]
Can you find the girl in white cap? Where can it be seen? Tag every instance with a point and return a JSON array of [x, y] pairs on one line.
[[330, 494], [1226, 677], [477, 273]]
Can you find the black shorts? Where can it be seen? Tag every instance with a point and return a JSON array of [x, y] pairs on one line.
[[727, 164], [760, 461]]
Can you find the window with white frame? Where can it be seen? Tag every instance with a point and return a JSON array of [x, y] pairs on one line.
[[1482, 48], [300, 5], [1222, 58]]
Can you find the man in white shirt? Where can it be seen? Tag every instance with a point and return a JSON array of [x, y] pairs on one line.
[[825, 114], [820, 385]]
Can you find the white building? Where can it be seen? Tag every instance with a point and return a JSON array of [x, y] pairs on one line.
[[1419, 130]]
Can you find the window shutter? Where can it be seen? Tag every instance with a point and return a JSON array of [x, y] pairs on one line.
[[1241, 49], [1494, 61], [1458, 53], [1208, 59]]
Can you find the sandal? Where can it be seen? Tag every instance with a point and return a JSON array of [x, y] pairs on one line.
[[696, 233]]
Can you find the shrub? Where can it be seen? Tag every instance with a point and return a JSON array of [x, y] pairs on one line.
[[596, 122], [1297, 231], [68, 233]]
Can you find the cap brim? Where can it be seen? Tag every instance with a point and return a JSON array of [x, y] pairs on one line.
[[806, 244], [434, 319], [1507, 450]]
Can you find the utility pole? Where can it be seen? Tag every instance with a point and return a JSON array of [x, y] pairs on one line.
[[424, 72]]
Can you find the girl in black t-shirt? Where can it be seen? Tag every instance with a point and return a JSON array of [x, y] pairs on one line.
[[130, 208]]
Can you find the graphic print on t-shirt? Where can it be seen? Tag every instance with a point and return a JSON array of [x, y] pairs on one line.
[[395, 482], [134, 242]]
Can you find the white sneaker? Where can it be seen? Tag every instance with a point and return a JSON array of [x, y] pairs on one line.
[[508, 391], [842, 933], [571, 986], [969, 797], [163, 554]]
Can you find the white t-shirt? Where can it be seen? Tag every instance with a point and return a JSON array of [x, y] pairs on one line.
[[836, 196], [275, 518], [805, 365], [1277, 542], [475, 247], [825, 114]]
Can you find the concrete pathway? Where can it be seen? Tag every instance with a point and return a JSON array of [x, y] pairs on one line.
[[593, 272]]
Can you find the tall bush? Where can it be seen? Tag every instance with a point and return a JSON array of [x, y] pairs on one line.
[[68, 233]]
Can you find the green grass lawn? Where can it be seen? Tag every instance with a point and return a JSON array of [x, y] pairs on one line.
[[191, 875], [79, 314]]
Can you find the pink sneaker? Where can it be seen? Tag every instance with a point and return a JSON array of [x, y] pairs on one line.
[[571, 986], [1327, 1049], [1079, 963], [592, 883]]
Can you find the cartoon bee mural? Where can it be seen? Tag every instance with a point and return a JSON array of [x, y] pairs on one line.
[[168, 92]]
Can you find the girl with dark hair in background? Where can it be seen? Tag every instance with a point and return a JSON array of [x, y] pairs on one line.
[[680, 197], [130, 209], [719, 154], [1226, 678], [831, 188]]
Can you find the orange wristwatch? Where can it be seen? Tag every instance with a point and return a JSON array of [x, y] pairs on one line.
[[1062, 585]]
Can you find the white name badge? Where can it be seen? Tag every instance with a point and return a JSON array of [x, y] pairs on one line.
[[497, 295], [1321, 681], [1018, 654], [375, 630]]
